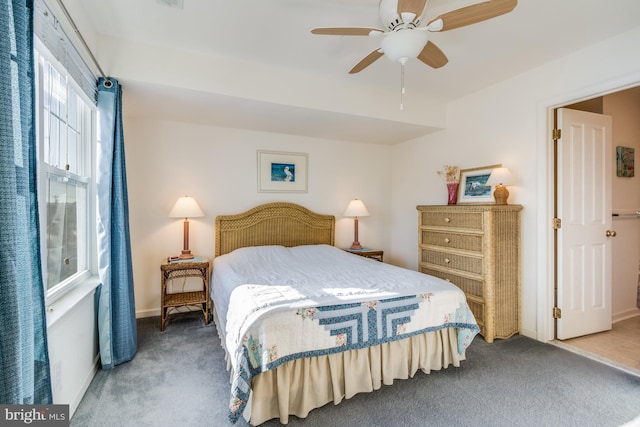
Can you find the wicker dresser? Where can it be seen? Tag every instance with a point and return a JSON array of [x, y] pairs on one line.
[[476, 247]]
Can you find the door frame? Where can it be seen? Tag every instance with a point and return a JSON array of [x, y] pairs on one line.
[[545, 324]]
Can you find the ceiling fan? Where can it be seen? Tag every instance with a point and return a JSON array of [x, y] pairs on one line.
[[405, 38]]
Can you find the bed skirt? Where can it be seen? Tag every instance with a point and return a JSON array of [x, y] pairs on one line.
[[301, 385]]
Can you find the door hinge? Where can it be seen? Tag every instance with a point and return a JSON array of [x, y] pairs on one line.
[[556, 223], [557, 313], [556, 134]]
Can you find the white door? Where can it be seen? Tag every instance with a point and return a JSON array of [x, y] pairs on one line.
[[584, 207]]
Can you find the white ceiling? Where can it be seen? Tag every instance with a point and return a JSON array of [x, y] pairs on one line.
[[276, 33]]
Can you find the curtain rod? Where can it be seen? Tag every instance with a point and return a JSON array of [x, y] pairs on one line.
[[107, 83]]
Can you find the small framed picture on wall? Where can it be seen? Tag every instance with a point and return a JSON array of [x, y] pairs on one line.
[[625, 161], [281, 172]]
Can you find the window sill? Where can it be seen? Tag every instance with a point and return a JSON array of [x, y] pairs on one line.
[[61, 306]]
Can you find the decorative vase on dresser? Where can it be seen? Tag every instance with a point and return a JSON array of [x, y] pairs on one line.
[[477, 248], [452, 193]]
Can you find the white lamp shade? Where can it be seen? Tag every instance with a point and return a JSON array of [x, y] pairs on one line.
[[500, 176], [356, 208], [186, 207]]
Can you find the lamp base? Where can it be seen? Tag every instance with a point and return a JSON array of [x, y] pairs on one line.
[[501, 194], [356, 244], [186, 255]]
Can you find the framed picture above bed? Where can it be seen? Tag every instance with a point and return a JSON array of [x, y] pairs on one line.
[[282, 172], [473, 188]]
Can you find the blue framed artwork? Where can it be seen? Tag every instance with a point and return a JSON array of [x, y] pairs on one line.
[[282, 172], [625, 161], [285, 172], [473, 188]]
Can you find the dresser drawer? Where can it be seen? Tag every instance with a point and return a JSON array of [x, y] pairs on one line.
[[460, 220], [472, 288], [467, 242], [453, 261], [469, 286]]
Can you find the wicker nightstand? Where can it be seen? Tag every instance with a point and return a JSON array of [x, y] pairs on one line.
[[197, 267], [367, 253]]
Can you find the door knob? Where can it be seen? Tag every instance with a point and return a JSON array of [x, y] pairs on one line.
[[610, 233]]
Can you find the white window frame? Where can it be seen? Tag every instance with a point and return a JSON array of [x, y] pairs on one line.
[[44, 171]]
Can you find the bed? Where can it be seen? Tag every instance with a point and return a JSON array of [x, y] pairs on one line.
[[304, 323]]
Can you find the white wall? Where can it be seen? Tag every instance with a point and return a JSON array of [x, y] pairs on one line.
[[217, 166], [624, 107], [129, 60], [72, 336], [508, 124]]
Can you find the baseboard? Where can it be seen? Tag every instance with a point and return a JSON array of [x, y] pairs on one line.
[[625, 315], [141, 314], [85, 386], [529, 334]]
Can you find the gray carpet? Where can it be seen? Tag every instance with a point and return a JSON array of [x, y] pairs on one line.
[[178, 378]]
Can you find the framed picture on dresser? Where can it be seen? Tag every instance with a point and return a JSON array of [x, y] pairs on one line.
[[473, 188]]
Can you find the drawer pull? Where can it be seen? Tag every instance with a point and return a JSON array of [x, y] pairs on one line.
[[447, 220], [447, 260], [447, 240]]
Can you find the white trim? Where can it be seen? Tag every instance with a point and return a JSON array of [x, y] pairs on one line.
[[88, 133], [628, 314], [545, 250], [58, 291], [85, 386], [141, 314], [65, 303]]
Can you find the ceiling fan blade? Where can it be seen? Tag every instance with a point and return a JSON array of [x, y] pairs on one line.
[[366, 61], [412, 6], [475, 13], [346, 31], [432, 56]]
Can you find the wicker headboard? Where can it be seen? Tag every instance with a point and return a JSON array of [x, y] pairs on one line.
[[279, 223]]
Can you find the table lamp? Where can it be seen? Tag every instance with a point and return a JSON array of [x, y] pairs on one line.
[[500, 177], [186, 207], [355, 209]]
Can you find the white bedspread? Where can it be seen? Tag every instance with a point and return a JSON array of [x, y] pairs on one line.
[[277, 304], [317, 271]]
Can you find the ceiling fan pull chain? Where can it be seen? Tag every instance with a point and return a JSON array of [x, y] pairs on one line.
[[402, 86]]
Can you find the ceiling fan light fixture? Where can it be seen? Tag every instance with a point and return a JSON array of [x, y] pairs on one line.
[[404, 37], [403, 44]]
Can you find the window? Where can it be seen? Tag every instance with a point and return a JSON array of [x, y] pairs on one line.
[[66, 141]]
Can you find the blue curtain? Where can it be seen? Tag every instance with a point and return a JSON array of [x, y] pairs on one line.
[[116, 305], [24, 360]]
